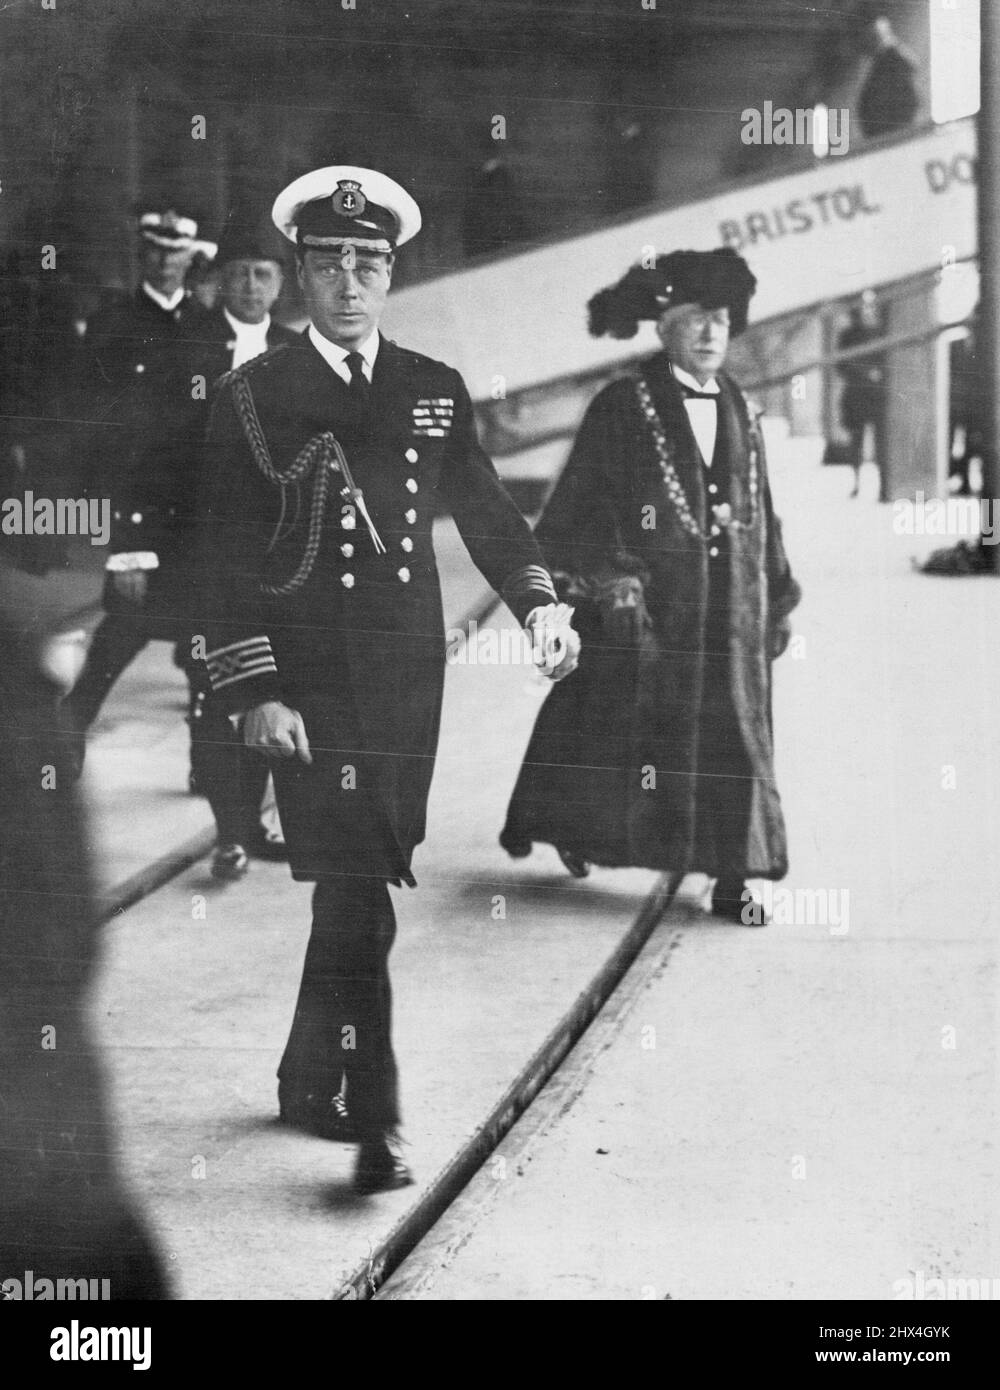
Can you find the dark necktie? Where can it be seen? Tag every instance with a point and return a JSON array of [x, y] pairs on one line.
[[360, 387], [691, 394]]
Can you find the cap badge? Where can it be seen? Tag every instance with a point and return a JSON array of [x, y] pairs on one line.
[[349, 201]]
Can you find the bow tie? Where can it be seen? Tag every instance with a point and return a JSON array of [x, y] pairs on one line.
[[690, 394]]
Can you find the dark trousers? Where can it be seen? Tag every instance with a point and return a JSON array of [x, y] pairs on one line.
[[343, 1018], [126, 628], [117, 642]]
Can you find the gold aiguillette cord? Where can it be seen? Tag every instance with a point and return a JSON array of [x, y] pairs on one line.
[[351, 490]]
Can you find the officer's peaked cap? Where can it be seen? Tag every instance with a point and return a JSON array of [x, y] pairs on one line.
[[346, 205], [168, 229]]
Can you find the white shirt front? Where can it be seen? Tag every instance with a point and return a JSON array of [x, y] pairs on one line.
[[703, 415], [336, 357], [251, 338], [165, 301]]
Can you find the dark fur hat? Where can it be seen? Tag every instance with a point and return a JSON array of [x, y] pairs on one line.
[[715, 279]]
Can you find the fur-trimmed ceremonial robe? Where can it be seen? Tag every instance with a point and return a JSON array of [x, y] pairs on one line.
[[612, 770]]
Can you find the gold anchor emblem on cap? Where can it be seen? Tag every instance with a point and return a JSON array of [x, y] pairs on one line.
[[349, 201]]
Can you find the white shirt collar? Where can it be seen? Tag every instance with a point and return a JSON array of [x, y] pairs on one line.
[[247, 330], [336, 356], [168, 302], [711, 388]]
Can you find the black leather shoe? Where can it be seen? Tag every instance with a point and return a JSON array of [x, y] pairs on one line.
[[517, 849], [267, 844], [326, 1119], [380, 1167], [735, 902], [577, 865], [229, 863]]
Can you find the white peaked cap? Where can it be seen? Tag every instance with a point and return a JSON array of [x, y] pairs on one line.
[[352, 205]]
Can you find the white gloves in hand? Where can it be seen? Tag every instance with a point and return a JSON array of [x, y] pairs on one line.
[[555, 643]]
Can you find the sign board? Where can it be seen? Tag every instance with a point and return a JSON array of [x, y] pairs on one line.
[[845, 224]]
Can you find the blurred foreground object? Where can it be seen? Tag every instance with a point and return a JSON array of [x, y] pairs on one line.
[[64, 1211]]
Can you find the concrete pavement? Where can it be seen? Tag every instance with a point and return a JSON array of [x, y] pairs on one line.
[[199, 983], [813, 1117], [808, 1111]]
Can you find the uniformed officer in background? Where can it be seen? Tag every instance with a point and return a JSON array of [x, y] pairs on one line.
[[141, 425], [249, 270], [325, 462]]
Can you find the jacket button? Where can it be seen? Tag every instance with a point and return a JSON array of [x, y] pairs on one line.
[[347, 550], [347, 580], [137, 517], [712, 489], [411, 484], [140, 367], [404, 575], [411, 456], [406, 543], [411, 516]]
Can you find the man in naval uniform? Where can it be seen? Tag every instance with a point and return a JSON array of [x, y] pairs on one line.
[[250, 273], [660, 752], [325, 462], [141, 427]]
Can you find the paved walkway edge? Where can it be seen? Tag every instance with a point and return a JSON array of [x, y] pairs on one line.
[[411, 1229], [139, 885]]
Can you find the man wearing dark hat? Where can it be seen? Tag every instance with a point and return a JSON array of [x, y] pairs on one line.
[[250, 275], [325, 464], [250, 272], [661, 531], [140, 425]]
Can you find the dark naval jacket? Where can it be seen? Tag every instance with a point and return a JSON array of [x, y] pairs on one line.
[[141, 421], [321, 587], [625, 507]]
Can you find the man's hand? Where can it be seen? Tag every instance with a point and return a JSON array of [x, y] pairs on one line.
[[130, 585], [623, 611], [276, 731], [555, 643]]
